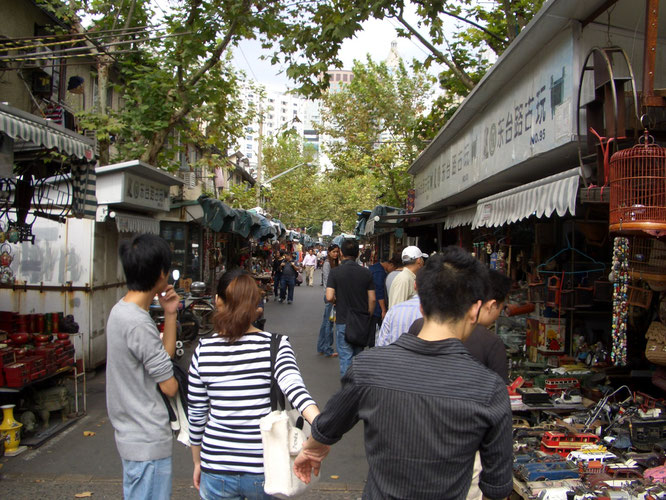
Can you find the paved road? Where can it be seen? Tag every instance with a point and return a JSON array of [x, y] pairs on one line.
[[71, 463]]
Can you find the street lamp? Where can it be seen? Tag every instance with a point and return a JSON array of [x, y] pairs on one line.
[[290, 169]]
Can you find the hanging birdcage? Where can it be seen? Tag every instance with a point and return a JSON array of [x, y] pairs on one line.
[[647, 258], [638, 188]]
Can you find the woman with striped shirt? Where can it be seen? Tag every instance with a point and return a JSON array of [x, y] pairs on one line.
[[229, 391]]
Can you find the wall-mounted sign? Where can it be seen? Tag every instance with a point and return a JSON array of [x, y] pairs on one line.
[[145, 193], [135, 185], [531, 115]]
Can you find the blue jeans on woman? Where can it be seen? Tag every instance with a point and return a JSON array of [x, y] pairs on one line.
[[325, 340], [232, 486], [287, 282]]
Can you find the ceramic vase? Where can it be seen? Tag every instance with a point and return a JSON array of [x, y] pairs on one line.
[[10, 429]]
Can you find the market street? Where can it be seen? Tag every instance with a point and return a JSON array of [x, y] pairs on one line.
[[71, 463]]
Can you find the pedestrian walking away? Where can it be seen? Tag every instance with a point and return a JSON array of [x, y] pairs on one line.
[[229, 392], [277, 273], [310, 263], [289, 272], [137, 362], [351, 288], [379, 272], [427, 405], [486, 347], [325, 339], [402, 287]]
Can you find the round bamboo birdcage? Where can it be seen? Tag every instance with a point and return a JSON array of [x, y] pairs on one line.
[[638, 188]]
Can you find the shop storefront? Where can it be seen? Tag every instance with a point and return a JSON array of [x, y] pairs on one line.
[[520, 178]]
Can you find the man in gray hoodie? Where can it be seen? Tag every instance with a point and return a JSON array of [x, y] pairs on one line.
[[138, 361]]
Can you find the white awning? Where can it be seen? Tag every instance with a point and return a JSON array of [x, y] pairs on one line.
[[132, 223], [541, 198], [18, 124], [461, 217]]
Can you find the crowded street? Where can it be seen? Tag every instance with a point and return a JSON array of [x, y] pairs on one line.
[[333, 249], [47, 473]]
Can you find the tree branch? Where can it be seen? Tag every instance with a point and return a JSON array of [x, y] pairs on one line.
[[459, 72]]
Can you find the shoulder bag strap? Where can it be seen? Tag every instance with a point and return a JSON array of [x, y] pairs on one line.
[[277, 398]]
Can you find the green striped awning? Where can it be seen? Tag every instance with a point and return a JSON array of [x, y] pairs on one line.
[[20, 125]]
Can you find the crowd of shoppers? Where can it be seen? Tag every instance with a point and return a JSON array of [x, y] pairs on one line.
[[431, 338]]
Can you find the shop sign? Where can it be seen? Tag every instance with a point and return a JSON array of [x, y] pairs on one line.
[[145, 193], [531, 116], [132, 191]]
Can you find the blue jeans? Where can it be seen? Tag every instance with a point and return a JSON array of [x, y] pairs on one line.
[[345, 351], [284, 283], [236, 486], [276, 283], [149, 480], [325, 341]]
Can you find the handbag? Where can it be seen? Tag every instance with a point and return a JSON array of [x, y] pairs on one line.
[[655, 350], [358, 328], [283, 433]]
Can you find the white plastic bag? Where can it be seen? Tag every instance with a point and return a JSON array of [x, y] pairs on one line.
[[283, 440]]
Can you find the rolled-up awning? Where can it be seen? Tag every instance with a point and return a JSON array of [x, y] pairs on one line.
[[23, 126], [541, 198], [133, 223], [461, 217]]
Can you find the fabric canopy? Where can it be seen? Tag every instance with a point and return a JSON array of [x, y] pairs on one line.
[[222, 218], [541, 198], [133, 223], [40, 132], [461, 217]]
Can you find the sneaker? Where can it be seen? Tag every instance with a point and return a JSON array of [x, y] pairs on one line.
[[289, 302], [281, 301]]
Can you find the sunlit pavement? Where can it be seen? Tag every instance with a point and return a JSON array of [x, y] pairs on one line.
[[72, 463]]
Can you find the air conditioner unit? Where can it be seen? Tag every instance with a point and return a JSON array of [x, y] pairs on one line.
[[190, 179], [35, 61]]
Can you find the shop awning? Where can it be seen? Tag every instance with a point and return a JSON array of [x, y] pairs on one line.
[[24, 126], [461, 217], [133, 223], [541, 198]]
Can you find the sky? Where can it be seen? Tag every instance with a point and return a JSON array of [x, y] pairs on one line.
[[375, 39]]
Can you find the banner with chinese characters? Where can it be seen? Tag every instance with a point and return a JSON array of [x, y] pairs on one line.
[[531, 115]]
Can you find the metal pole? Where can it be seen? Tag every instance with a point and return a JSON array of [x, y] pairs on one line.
[[259, 141]]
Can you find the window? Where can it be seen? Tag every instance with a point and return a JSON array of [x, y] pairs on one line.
[[271, 100], [250, 96], [284, 110], [248, 154], [337, 77], [295, 104], [284, 103], [249, 146], [344, 78], [249, 138], [248, 130]]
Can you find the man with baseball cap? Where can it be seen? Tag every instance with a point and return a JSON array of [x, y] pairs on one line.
[[402, 288]]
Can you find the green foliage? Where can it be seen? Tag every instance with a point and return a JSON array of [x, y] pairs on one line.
[[373, 123], [240, 196]]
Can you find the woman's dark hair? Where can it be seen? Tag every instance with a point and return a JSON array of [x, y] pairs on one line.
[[144, 258], [240, 296], [331, 260], [450, 283]]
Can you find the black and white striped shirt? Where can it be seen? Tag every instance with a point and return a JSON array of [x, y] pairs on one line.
[[229, 391]]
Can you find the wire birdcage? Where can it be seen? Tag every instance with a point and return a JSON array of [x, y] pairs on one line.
[[638, 188], [647, 258]]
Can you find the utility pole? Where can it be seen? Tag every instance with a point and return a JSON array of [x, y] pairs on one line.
[[259, 141]]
